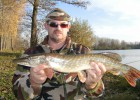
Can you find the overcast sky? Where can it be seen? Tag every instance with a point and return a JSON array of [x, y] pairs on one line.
[[115, 19]]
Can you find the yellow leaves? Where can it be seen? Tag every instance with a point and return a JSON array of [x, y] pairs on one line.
[[10, 13]]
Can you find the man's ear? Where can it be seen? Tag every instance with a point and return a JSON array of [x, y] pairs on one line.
[[69, 26], [46, 25]]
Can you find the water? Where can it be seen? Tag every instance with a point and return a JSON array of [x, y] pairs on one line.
[[130, 57]]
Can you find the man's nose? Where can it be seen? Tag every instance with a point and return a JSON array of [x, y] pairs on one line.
[[59, 27]]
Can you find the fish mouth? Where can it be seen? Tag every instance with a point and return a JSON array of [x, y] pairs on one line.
[[21, 61]]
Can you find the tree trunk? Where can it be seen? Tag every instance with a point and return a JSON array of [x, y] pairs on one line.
[[33, 41]]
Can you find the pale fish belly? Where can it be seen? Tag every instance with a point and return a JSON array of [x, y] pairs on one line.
[[69, 65]]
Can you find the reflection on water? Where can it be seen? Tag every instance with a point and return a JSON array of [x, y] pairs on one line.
[[130, 57]]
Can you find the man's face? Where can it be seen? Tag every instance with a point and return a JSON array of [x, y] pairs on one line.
[[57, 30]]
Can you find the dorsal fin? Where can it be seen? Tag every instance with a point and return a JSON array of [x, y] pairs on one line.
[[112, 55]]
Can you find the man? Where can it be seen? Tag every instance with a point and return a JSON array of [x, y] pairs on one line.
[[33, 83]]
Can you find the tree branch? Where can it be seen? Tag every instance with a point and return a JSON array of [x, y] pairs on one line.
[[31, 2], [77, 3]]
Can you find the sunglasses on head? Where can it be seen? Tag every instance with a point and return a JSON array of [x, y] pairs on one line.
[[55, 25]]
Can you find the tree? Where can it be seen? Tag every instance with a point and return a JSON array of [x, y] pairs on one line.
[[10, 12], [47, 5], [33, 41], [82, 33], [123, 45]]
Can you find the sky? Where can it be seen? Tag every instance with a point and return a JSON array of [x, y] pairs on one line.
[[115, 19]]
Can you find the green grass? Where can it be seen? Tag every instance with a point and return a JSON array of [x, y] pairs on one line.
[[116, 87], [7, 69]]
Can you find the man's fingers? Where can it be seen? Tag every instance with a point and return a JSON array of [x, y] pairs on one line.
[[102, 67], [38, 68], [38, 79], [49, 72], [95, 68], [95, 73], [98, 67]]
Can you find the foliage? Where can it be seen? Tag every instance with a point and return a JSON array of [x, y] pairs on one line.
[[79, 3], [81, 32], [135, 45], [117, 88], [112, 44], [123, 96], [7, 69], [10, 13]]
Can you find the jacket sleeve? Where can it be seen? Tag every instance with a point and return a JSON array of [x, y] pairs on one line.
[[97, 91], [22, 88], [21, 84]]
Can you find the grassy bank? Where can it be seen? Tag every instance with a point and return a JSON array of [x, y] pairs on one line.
[[117, 87], [7, 69]]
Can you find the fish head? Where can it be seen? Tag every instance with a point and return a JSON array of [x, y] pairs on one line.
[[31, 61]]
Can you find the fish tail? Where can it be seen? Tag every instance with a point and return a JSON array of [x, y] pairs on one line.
[[131, 75]]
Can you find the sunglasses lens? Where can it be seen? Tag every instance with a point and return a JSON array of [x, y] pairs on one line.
[[64, 25], [55, 25]]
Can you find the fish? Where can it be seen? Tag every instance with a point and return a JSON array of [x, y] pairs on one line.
[[80, 63]]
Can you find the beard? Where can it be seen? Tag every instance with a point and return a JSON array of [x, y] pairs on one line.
[[57, 36]]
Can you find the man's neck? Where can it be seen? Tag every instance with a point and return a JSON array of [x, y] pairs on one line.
[[56, 45]]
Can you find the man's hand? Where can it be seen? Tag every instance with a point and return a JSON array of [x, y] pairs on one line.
[[38, 75], [94, 74]]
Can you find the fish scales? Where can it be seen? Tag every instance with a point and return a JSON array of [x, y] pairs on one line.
[[78, 63]]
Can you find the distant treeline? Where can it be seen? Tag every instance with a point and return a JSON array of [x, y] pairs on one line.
[[111, 44]]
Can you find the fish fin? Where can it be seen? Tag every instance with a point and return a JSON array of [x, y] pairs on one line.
[[112, 55], [82, 76], [70, 77], [131, 76], [115, 71], [49, 72]]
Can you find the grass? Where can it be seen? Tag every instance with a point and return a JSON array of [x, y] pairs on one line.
[[7, 69], [116, 87]]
